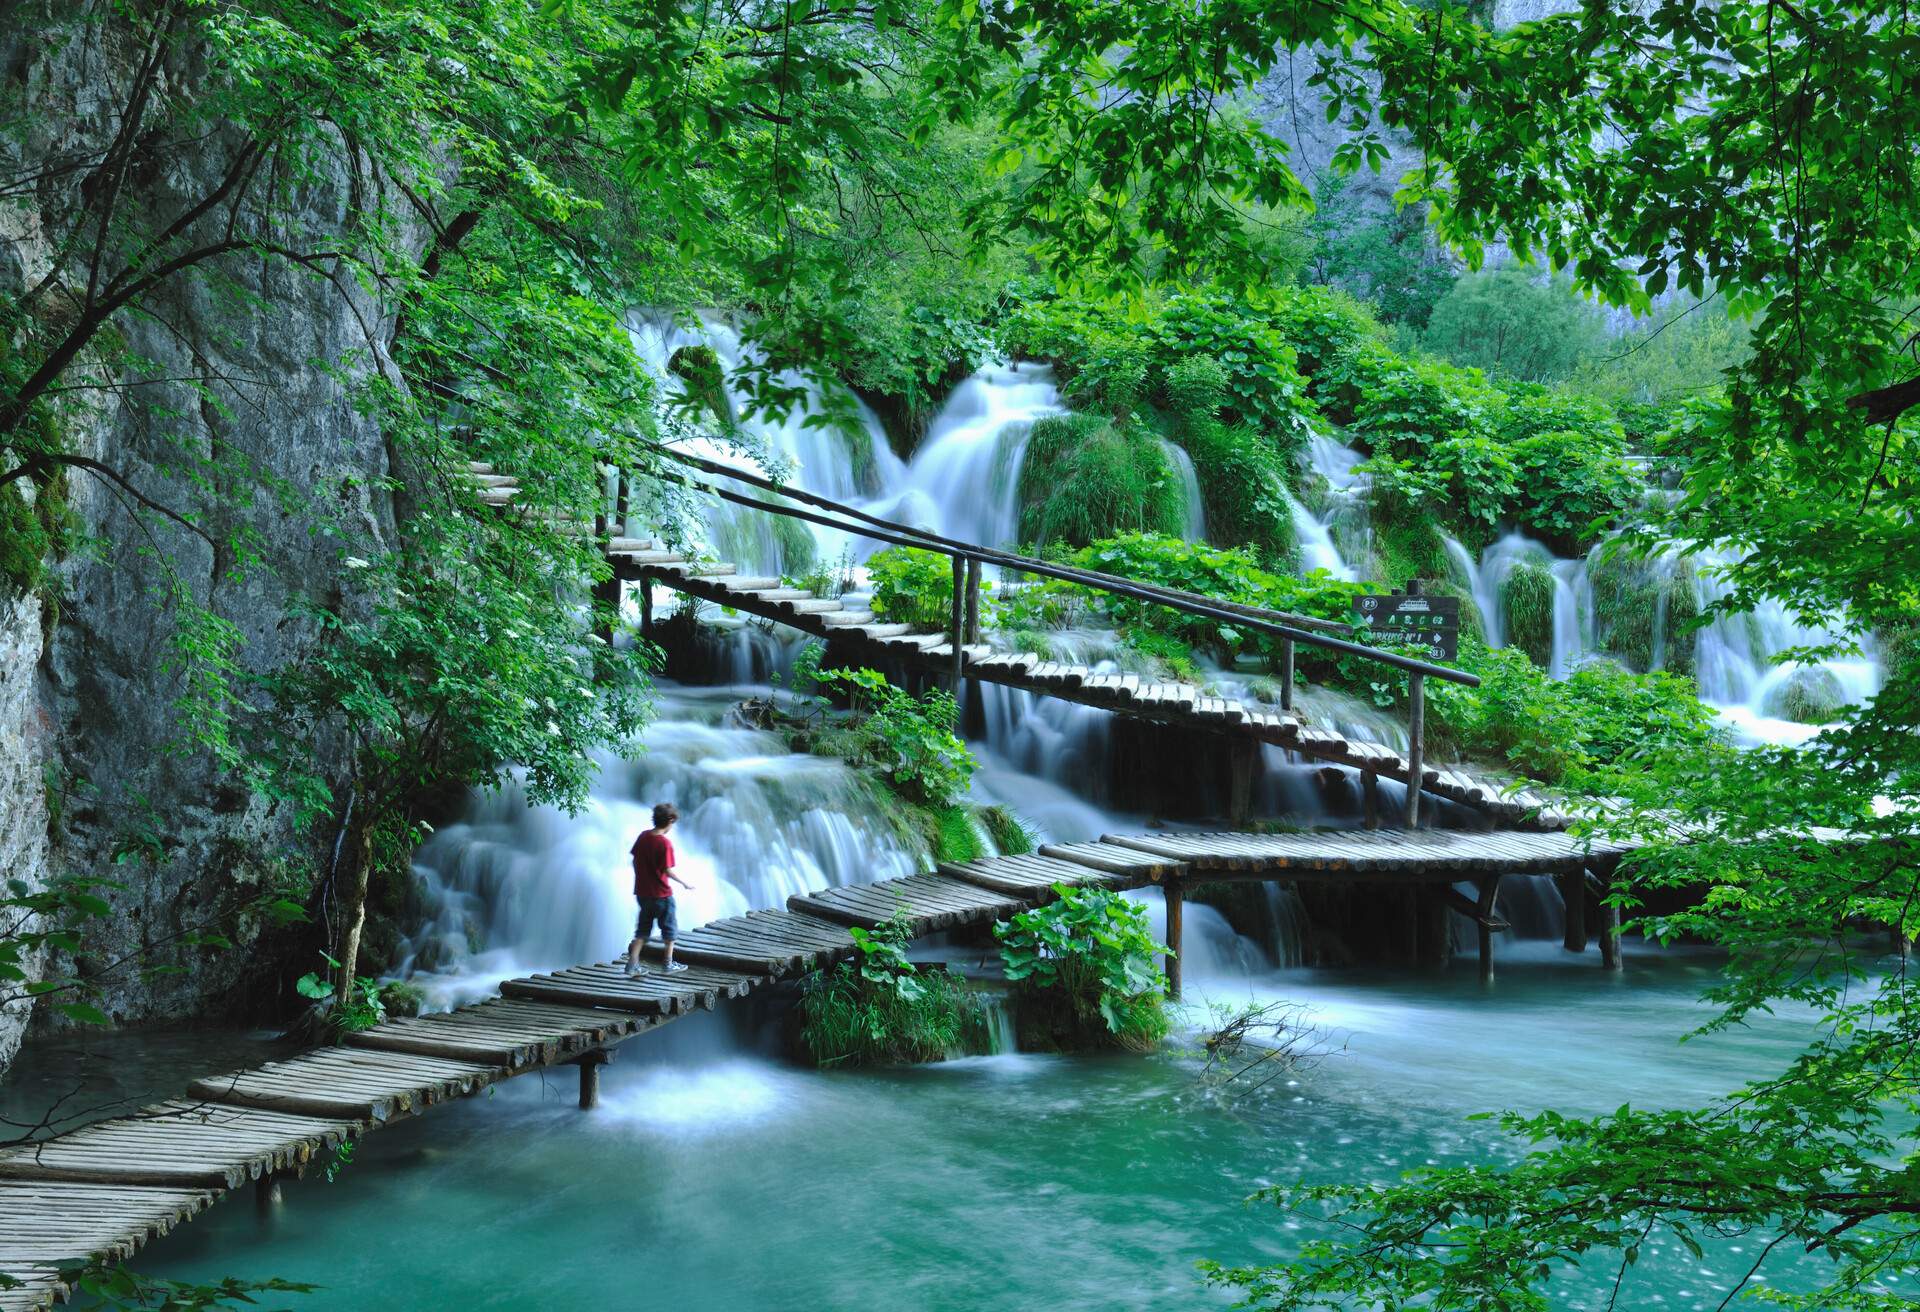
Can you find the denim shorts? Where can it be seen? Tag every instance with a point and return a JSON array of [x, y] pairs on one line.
[[656, 911]]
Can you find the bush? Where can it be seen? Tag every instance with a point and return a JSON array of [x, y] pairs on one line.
[[1196, 389], [909, 740], [912, 586], [1083, 479], [1085, 973], [877, 1008], [1637, 602], [1600, 716], [1243, 479], [1810, 695], [1010, 837], [1572, 485]]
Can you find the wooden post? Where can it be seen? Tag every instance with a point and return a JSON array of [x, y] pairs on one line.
[[973, 600], [618, 528], [1286, 674], [1176, 897], [646, 606], [266, 1194], [1609, 934], [1370, 798], [590, 1064], [956, 634], [1573, 891], [600, 505], [1416, 743], [1489, 890], [1245, 754]]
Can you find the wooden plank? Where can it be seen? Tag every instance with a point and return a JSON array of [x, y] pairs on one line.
[[179, 1143]]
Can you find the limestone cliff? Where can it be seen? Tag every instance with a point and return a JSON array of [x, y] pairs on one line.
[[259, 346]]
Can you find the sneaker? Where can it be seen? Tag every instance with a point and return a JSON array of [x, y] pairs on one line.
[[635, 968], [675, 968]]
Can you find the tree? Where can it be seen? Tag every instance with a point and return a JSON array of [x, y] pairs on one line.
[[1513, 323]]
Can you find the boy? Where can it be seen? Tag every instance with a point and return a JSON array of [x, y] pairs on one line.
[[652, 868]]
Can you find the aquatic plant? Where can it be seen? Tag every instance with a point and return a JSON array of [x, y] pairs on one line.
[[878, 1008], [1085, 973]]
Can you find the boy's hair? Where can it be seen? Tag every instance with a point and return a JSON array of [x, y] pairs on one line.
[[664, 815]]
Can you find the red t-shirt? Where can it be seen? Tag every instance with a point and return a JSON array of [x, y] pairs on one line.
[[652, 858]]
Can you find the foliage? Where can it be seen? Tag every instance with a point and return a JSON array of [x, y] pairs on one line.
[[1600, 717], [878, 1008], [1082, 479], [117, 1289], [1010, 835], [1243, 478], [1385, 258], [1084, 972], [1526, 609], [1636, 602], [360, 1007], [909, 740], [1514, 323], [912, 586]]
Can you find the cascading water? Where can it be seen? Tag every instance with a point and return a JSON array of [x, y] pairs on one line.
[[1734, 656], [964, 480], [1344, 517]]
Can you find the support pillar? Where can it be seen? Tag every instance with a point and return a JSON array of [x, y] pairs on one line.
[[1370, 798], [956, 631], [1609, 913], [973, 601], [590, 1064], [646, 606], [1245, 756], [1483, 925], [1416, 744], [1573, 891], [1176, 895], [1286, 674], [267, 1196]]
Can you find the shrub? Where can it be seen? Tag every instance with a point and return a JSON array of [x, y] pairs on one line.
[[1083, 479], [1085, 973], [1243, 481], [912, 586], [1262, 376], [1810, 695], [1572, 485], [1526, 605], [1600, 716], [911, 740], [1196, 389], [877, 1008], [1321, 324], [1010, 837]]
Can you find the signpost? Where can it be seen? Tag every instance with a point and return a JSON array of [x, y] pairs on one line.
[[1410, 617]]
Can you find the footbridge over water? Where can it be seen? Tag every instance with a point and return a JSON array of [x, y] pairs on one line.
[[101, 1192], [98, 1194]]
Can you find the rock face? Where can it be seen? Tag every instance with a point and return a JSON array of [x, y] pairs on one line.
[[101, 703], [23, 808]]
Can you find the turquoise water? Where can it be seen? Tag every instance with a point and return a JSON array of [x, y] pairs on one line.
[[715, 1179]]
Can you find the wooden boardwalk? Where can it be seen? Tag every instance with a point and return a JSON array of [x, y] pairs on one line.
[[865, 636], [103, 1191]]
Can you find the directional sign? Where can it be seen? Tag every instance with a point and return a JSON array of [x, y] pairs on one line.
[[1432, 622]]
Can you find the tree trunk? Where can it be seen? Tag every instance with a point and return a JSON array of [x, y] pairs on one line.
[[353, 902]]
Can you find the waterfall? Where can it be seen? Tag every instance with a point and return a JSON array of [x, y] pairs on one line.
[[1195, 528], [964, 480], [515, 888], [1736, 672], [1343, 529]]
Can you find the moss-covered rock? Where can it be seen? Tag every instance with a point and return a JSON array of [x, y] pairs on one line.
[[1526, 602], [1810, 695], [1083, 479], [706, 381], [1641, 610], [1243, 481]]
